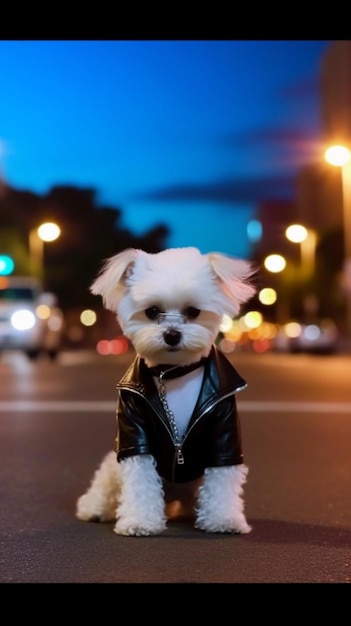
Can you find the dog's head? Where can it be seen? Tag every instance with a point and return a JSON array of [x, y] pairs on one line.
[[170, 304]]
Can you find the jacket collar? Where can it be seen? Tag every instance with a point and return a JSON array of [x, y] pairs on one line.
[[220, 377], [166, 372]]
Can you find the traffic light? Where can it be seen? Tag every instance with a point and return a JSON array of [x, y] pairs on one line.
[[6, 265]]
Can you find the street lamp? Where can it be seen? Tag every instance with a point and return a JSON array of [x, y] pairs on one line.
[[49, 231], [307, 240], [340, 156], [276, 263]]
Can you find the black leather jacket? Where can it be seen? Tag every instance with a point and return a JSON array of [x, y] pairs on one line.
[[213, 436]]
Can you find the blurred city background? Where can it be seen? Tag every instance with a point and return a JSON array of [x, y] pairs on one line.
[[295, 227]]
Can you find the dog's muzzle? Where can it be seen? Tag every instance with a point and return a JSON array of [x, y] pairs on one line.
[[172, 336]]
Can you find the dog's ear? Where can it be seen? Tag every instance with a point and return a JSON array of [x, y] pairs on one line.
[[234, 278], [110, 283]]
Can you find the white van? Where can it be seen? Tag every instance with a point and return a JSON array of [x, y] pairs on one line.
[[30, 320]]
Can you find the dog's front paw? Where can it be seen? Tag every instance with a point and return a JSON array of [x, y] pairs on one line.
[[220, 507], [128, 528], [141, 500], [237, 526]]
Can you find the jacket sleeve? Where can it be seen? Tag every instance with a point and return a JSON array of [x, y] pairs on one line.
[[227, 446], [132, 436]]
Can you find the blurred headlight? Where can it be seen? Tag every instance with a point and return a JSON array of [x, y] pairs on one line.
[[311, 332], [23, 319]]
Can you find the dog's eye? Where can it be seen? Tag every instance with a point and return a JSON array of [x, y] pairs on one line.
[[152, 312], [192, 313]]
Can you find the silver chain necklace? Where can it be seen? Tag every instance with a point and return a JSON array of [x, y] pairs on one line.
[[162, 392]]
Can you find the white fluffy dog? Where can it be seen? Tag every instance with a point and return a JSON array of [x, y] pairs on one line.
[[178, 438]]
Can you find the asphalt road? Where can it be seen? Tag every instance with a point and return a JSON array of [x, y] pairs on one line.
[[57, 421]]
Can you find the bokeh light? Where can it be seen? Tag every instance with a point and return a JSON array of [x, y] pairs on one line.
[[296, 233], [119, 345], [49, 231], [337, 155], [253, 319], [275, 263], [267, 296], [6, 264], [88, 317]]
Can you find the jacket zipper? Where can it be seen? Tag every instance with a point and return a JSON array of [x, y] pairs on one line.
[[210, 407], [176, 446], [179, 457], [177, 441], [179, 454]]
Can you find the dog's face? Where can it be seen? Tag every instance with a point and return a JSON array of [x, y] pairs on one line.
[[170, 304]]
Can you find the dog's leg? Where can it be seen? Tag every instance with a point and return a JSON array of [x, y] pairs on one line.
[[220, 507], [141, 504], [99, 503]]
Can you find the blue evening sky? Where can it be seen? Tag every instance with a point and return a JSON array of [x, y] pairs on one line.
[[190, 134]]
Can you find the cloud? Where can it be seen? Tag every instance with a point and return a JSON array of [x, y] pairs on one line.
[[285, 151], [249, 190], [287, 140]]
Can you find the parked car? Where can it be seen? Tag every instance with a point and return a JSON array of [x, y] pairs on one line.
[[318, 336], [30, 320]]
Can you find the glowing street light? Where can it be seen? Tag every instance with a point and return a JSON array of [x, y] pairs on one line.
[[274, 263], [307, 239], [340, 156], [47, 232], [337, 155], [296, 233]]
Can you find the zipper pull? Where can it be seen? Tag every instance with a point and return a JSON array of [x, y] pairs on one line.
[[180, 457]]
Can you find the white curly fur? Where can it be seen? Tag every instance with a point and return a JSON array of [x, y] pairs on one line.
[[100, 501], [220, 507], [131, 492], [141, 499]]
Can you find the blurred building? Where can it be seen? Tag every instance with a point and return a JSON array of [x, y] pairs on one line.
[[336, 92], [319, 196], [274, 216], [319, 186], [318, 200]]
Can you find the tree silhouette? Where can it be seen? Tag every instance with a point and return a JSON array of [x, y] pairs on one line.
[[89, 234]]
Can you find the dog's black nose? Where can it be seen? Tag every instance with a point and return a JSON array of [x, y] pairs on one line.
[[172, 337]]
